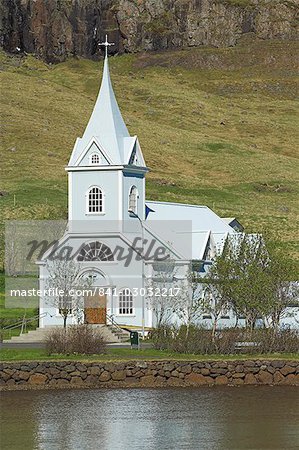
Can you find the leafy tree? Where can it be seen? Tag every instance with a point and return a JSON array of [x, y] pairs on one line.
[[285, 290], [252, 278]]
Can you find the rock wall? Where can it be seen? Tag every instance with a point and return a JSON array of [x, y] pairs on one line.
[[69, 374], [55, 29]]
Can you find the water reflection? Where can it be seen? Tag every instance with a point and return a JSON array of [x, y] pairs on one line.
[[206, 418]]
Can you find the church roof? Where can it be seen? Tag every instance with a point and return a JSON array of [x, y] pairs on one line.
[[106, 125], [201, 217], [200, 222]]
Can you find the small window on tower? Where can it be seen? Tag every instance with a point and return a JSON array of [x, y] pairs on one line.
[[95, 159], [133, 200], [95, 201]]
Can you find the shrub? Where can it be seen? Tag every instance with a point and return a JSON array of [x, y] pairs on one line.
[[199, 340], [275, 341], [162, 337], [226, 340], [195, 340], [81, 339]]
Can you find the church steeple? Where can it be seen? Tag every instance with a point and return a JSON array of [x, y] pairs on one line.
[[107, 127], [106, 171]]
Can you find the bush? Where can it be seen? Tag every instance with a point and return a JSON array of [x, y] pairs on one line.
[[199, 340], [162, 337], [226, 340], [81, 339], [275, 341], [195, 339]]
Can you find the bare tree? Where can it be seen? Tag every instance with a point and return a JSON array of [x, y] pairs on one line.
[[161, 291], [65, 288], [189, 305]]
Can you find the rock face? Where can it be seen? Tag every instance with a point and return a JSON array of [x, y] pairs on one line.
[[56, 29], [61, 374]]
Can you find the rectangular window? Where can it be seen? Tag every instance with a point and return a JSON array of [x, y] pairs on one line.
[[125, 303]]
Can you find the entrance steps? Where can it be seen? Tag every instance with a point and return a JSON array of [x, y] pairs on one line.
[[33, 336], [110, 333]]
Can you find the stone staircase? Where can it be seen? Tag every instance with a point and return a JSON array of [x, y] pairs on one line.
[[33, 336], [111, 334]]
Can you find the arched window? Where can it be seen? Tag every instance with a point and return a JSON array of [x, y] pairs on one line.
[[133, 196], [95, 200], [125, 302], [95, 158], [95, 251]]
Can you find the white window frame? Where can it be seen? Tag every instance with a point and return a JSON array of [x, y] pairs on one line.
[[94, 213], [128, 304], [135, 200], [94, 163]]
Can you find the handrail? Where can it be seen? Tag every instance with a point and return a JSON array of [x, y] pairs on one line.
[[24, 320], [22, 324], [113, 323]]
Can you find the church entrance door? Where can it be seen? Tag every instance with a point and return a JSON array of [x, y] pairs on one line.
[[95, 308]]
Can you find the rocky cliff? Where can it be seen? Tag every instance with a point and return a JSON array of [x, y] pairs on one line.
[[55, 29]]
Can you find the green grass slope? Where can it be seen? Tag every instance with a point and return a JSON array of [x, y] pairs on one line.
[[217, 127]]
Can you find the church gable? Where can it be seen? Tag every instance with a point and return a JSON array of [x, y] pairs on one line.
[[134, 154], [94, 155]]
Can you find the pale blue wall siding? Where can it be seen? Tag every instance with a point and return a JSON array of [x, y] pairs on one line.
[[108, 181], [130, 180], [117, 276]]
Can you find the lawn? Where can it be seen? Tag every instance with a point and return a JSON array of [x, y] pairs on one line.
[[122, 354], [10, 316], [217, 127]]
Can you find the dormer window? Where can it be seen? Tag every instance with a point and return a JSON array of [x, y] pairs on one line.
[[133, 196], [95, 159]]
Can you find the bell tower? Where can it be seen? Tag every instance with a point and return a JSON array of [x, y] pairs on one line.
[[106, 171]]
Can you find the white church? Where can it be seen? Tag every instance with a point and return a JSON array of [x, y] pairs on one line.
[[108, 212]]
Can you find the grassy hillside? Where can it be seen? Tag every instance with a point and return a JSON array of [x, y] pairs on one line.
[[217, 127]]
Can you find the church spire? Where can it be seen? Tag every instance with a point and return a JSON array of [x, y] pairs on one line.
[[106, 44], [106, 124]]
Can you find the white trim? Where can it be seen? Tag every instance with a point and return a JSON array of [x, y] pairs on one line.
[[143, 199], [129, 154], [91, 213], [124, 315], [128, 169], [91, 237], [70, 196], [120, 195], [140, 151], [87, 148]]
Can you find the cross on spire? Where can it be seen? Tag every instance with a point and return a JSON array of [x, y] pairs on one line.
[[106, 44]]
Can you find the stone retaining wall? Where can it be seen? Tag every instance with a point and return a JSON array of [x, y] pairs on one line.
[[72, 374]]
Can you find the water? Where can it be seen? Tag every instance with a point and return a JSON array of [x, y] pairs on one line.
[[206, 418]]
